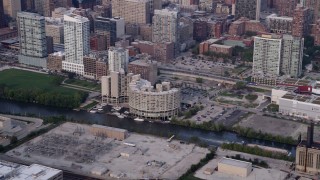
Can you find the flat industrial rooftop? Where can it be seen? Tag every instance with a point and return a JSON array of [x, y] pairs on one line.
[[138, 156]]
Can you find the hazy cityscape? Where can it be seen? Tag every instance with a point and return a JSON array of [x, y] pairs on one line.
[[160, 89]]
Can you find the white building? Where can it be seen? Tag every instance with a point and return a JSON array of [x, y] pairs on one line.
[[13, 171], [118, 59], [11, 7], [276, 55], [162, 102], [32, 37], [114, 88], [165, 26], [76, 42], [267, 55]]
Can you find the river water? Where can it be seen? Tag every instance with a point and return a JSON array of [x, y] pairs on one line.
[[158, 129]]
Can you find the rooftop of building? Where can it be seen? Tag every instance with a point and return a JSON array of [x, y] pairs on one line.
[[220, 46], [13, 171], [314, 145], [59, 53], [6, 30], [142, 85], [30, 15], [234, 162], [306, 98], [275, 16], [109, 128], [75, 18], [269, 36]]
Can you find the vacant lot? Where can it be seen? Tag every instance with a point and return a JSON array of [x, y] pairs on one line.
[[20, 79], [274, 126]]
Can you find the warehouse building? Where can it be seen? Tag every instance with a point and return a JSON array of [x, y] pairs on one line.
[[110, 132], [235, 167], [13, 171]]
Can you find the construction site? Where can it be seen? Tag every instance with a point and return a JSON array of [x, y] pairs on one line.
[[106, 152]]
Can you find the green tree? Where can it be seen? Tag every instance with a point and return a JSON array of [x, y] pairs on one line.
[[13, 140], [199, 80], [239, 85]]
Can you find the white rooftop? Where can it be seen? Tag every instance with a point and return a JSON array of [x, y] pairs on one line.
[[35, 172], [233, 162]]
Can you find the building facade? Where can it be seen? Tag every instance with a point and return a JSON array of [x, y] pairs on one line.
[[56, 32], [44, 7], [267, 55], [281, 24], [112, 28], [118, 59], [292, 55], [163, 102], [33, 41], [11, 8], [133, 11], [144, 66], [248, 8], [114, 87], [55, 61], [76, 42]]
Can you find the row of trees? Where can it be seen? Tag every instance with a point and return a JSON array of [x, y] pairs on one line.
[[256, 151], [250, 133], [43, 97]]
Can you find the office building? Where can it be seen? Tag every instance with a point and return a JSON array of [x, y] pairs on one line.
[[292, 55], [11, 8], [9, 170], [33, 41], [76, 42], [111, 28], [282, 24], [161, 102], [98, 42], [267, 55], [114, 88], [118, 59], [165, 28], [302, 18], [248, 8], [55, 61], [133, 11], [62, 3], [308, 154], [44, 7]]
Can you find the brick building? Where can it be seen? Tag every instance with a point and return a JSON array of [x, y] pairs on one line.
[[95, 65], [302, 18], [54, 62], [144, 66], [98, 42], [221, 49]]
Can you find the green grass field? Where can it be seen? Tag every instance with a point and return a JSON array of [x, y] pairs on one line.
[[82, 83], [20, 79]]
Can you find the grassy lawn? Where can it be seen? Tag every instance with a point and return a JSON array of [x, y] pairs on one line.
[[82, 83], [228, 94], [251, 97], [258, 89], [20, 79], [273, 108], [90, 105]]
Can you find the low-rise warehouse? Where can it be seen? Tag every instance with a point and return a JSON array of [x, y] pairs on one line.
[[234, 167]]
